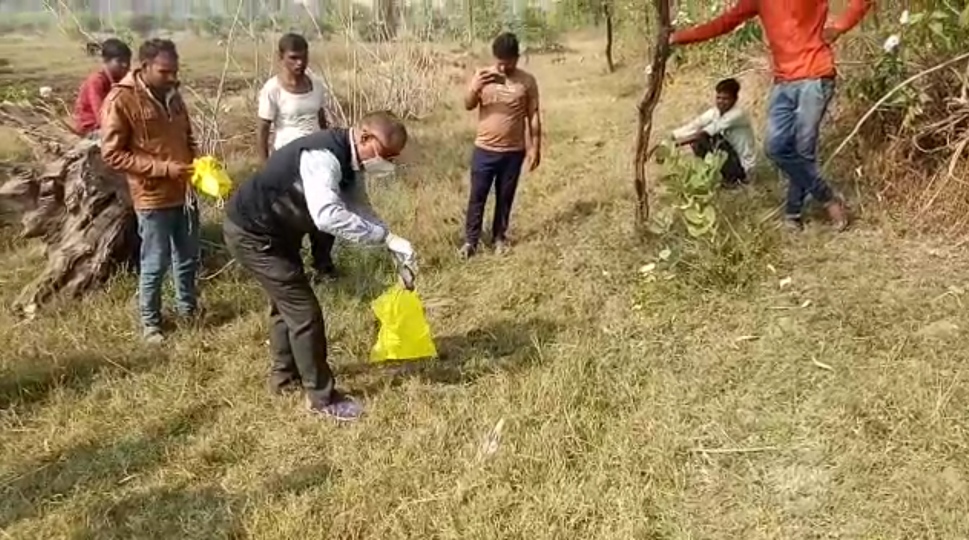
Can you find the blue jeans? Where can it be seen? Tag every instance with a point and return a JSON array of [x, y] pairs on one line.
[[169, 237], [793, 126]]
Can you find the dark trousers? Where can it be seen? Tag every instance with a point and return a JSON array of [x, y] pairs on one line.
[[732, 170], [321, 247], [297, 333], [488, 168]]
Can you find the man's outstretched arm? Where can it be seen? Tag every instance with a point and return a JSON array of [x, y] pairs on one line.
[[725, 23], [856, 11]]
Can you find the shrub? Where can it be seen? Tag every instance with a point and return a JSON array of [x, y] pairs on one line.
[[706, 243], [918, 130]]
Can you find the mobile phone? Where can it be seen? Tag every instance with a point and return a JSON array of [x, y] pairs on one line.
[[498, 78]]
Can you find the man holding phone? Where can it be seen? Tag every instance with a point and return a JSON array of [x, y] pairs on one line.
[[509, 135]]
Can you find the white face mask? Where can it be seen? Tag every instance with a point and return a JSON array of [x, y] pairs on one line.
[[378, 166]]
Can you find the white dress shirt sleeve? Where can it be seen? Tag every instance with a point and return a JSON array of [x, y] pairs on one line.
[[321, 176]]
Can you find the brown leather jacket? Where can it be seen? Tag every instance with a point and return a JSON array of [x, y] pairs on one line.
[[147, 141]]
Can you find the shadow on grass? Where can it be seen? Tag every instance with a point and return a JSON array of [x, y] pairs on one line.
[[198, 512], [566, 219], [94, 466], [462, 359], [42, 375], [168, 513]]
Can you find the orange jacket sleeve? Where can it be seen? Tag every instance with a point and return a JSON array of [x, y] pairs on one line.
[[857, 10], [116, 134], [726, 22]]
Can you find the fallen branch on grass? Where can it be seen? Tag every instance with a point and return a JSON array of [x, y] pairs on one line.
[[749, 450], [647, 104]]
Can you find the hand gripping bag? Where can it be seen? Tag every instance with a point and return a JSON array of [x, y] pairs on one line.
[[210, 178]]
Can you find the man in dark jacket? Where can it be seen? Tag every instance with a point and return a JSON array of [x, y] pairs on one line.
[[313, 183]]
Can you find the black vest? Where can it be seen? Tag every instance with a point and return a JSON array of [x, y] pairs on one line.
[[272, 201]]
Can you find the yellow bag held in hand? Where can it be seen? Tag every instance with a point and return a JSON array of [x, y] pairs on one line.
[[210, 177], [404, 332]]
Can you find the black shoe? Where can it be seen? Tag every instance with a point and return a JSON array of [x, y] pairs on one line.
[[340, 408], [467, 251], [793, 223]]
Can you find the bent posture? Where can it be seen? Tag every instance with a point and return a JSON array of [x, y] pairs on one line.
[[509, 135], [800, 41], [293, 104], [725, 128], [115, 62], [311, 184], [146, 133]]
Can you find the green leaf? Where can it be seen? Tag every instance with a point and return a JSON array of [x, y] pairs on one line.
[[694, 215], [710, 214], [697, 231], [964, 17]]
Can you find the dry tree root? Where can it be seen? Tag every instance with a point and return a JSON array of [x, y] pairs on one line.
[[646, 106], [80, 209]]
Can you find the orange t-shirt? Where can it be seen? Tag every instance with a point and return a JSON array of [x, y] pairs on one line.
[[794, 33], [503, 111]]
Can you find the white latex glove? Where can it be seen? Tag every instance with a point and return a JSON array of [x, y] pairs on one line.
[[405, 257]]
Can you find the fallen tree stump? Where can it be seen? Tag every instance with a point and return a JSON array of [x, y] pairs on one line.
[[79, 208]]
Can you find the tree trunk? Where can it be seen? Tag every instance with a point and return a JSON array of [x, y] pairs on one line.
[[647, 104], [75, 205], [607, 12]]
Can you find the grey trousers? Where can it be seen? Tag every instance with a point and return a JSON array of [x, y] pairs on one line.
[[297, 332]]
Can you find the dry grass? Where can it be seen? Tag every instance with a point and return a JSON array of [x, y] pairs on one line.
[[833, 408]]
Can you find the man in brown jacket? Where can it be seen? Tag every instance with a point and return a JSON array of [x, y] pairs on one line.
[[146, 133]]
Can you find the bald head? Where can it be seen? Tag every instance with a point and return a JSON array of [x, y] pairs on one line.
[[381, 134]]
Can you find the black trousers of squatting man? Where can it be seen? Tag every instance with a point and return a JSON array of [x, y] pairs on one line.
[[501, 169], [297, 332], [732, 171]]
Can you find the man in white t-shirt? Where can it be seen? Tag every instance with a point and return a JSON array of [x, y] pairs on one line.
[[725, 127], [292, 104]]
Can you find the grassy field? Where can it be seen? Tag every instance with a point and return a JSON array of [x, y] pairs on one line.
[[831, 407]]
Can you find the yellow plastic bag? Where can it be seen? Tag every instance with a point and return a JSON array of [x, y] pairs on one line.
[[210, 177], [404, 332]]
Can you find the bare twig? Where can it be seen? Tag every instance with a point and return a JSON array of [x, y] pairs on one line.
[[749, 450], [62, 7], [607, 13], [874, 108]]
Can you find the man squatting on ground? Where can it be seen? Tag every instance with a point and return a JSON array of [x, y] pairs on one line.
[[312, 182], [293, 104], [804, 80], [146, 134], [726, 128], [115, 62], [509, 132]]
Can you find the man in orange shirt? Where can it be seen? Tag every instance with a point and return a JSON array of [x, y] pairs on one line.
[[509, 136], [804, 71]]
